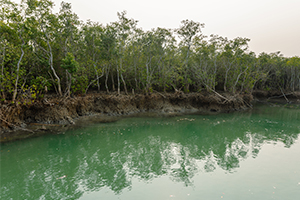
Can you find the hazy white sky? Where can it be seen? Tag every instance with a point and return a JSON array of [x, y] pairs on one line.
[[272, 25]]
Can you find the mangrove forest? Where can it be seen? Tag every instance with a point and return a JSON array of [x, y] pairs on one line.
[[46, 52]]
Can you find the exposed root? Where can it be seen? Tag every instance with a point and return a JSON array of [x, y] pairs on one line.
[[64, 110], [13, 125]]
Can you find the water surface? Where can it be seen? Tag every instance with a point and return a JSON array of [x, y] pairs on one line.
[[248, 155]]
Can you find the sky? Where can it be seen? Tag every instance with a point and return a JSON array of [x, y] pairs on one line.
[[271, 25]]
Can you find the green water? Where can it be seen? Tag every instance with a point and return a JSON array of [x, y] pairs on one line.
[[248, 155]]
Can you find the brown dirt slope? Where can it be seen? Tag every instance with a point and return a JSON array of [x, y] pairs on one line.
[[62, 111]]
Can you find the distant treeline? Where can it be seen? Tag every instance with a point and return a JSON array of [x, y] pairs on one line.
[[44, 51]]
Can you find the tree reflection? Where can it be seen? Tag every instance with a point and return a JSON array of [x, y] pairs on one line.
[[111, 156]]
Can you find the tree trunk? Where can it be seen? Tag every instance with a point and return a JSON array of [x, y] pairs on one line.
[[2, 71], [187, 85], [118, 78], [18, 68], [113, 82], [107, 69], [94, 65], [147, 77], [97, 76], [51, 60], [54, 72], [226, 75], [17, 72], [124, 83], [69, 83], [237, 79], [119, 67], [135, 75]]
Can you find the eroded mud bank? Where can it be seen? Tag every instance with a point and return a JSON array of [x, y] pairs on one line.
[[56, 114]]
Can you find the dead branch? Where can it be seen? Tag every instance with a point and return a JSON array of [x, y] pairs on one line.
[[18, 127]]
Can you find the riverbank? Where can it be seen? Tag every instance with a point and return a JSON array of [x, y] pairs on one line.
[[52, 112], [58, 114], [276, 96]]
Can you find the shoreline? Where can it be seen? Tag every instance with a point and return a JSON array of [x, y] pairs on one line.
[[60, 114]]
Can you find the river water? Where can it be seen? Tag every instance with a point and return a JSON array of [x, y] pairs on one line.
[[243, 155]]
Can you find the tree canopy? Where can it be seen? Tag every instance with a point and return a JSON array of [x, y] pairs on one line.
[[43, 51]]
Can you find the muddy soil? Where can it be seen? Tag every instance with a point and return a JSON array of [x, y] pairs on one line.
[[57, 114], [277, 96]]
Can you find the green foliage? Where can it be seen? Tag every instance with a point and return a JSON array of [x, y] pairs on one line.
[[8, 80], [40, 84], [61, 51], [69, 63], [80, 85]]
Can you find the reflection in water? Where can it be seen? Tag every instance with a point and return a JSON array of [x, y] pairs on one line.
[[112, 155]]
